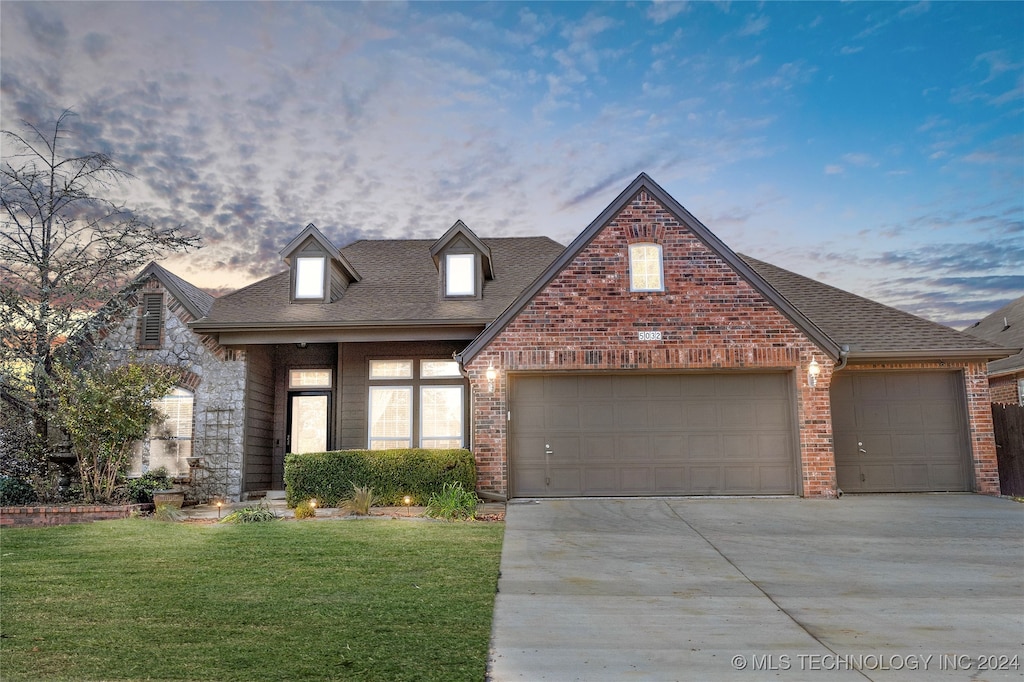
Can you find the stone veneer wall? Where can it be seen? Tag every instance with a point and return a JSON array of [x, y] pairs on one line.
[[587, 318], [216, 376]]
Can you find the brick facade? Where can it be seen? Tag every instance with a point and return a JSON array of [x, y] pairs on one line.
[[1005, 389], [711, 318], [587, 318]]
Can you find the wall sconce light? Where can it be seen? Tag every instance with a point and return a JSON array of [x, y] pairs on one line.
[[813, 370], [492, 374], [407, 501]]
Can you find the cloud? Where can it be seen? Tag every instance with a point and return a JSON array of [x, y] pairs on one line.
[[754, 25], [661, 11], [834, 169]]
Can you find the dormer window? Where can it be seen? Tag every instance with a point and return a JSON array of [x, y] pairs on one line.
[[309, 278], [460, 274], [645, 268]]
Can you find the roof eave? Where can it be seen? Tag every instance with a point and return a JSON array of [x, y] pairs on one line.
[[926, 354], [213, 328]]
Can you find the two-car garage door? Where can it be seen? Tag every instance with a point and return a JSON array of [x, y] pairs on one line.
[[652, 434]]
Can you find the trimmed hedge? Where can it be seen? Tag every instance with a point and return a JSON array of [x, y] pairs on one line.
[[393, 474]]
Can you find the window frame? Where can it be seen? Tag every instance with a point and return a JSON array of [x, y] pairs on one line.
[[423, 414], [142, 459], [370, 438], [635, 248], [415, 383]]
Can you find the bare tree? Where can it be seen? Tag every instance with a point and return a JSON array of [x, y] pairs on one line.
[[65, 249]]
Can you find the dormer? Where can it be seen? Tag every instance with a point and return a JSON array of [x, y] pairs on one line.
[[463, 262], [319, 271]]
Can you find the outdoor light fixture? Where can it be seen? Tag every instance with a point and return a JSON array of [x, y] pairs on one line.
[[813, 370], [407, 501], [492, 374], [219, 505], [312, 503]]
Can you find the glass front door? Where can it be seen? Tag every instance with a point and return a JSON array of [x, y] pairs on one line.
[[307, 421]]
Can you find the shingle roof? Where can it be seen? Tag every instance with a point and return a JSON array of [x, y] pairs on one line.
[[400, 285], [1006, 328], [868, 327], [195, 300]]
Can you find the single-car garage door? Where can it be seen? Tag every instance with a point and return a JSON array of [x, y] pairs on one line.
[[651, 434], [900, 432]]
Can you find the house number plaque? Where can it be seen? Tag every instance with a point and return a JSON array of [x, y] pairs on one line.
[[650, 336]]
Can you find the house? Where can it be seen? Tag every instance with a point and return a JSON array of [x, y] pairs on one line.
[[1004, 327], [646, 358]]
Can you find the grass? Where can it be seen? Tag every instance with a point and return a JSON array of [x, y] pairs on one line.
[[143, 600]]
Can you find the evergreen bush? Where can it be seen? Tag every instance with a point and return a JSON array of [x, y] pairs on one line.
[[331, 477]]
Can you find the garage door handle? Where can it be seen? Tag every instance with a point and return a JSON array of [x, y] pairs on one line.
[[548, 451], [860, 446]]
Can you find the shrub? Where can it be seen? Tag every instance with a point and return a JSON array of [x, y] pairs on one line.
[[250, 515], [360, 501], [453, 502], [140, 490], [167, 512], [330, 476], [14, 491], [305, 510]]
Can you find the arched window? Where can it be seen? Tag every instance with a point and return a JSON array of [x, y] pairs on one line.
[[170, 441]]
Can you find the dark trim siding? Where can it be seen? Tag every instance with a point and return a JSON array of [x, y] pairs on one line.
[[258, 448]]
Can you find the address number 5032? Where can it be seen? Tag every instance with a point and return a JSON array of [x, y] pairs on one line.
[[650, 336]]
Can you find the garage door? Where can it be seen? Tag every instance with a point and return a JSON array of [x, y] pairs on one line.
[[900, 432], [653, 434]]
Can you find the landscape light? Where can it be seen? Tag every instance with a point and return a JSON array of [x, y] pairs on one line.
[[407, 501]]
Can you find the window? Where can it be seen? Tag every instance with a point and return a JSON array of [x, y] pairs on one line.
[[309, 277], [441, 417], [151, 322], [645, 268], [438, 369], [426, 410], [170, 442], [460, 274], [309, 378], [1020, 392], [391, 369], [390, 417]]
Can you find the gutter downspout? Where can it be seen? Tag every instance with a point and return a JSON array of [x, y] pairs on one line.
[[844, 355]]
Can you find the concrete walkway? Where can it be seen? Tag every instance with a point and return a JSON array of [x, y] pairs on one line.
[[881, 587]]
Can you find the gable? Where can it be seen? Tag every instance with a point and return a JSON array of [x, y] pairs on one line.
[[708, 289]]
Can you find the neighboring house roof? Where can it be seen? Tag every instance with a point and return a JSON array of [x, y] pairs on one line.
[[399, 285], [196, 301], [1006, 328], [870, 329]]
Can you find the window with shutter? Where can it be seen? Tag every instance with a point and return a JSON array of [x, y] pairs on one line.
[[152, 321]]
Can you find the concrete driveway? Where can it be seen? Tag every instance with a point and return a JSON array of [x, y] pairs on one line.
[[879, 587]]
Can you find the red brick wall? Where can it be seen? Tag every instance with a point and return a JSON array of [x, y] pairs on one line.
[[1004, 388], [56, 515], [710, 318]]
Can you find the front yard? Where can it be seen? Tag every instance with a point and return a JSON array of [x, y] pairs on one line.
[[144, 600]]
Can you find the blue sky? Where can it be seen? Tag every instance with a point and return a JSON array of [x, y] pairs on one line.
[[878, 147]]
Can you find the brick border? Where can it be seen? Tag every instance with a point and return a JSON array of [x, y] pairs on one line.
[[59, 515]]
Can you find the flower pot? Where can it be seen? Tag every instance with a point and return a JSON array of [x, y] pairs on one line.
[[173, 498]]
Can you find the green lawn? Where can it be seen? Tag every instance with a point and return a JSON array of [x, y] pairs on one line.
[[317, 600]]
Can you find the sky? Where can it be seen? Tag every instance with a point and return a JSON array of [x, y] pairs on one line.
[[876, 147]]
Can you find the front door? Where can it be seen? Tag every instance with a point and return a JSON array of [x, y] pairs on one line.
[[308, 413]]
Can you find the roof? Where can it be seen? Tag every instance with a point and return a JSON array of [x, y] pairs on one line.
[[312, 233], [1006, 328], [871, 329], [399, 286], [196, 301], [644, 182]]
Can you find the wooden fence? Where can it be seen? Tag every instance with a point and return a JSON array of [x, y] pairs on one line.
[[1008, 421]]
